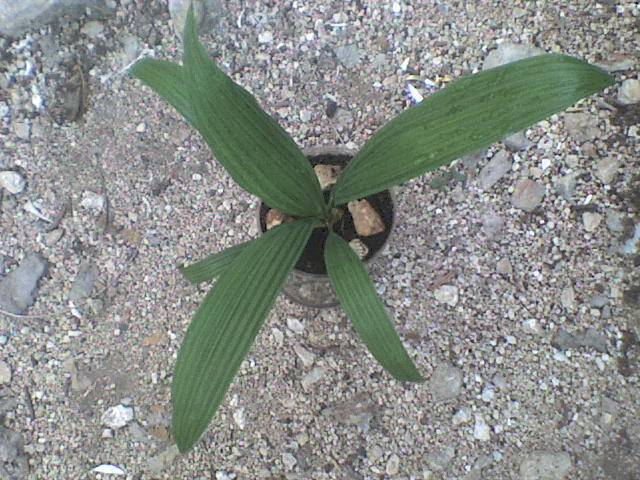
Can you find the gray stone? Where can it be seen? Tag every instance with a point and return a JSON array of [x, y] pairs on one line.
[[629, 91], [441, 458], [18, 17], [84, 282], [589, 338], [614, 220], [12, 182], [5, 373], [527, 194], [509, 52], [446, 382], [22, 130], [545, 466], [93, 29], [163, 459], [517, 142], [313, 376], [566, 185], [568, 298], [358, 410], [599, 301], [289, 460], [349, 55], [492, 224], [13, 463], [493, 171], [305, 355], [581, 126], [607, 169], [18, 289]]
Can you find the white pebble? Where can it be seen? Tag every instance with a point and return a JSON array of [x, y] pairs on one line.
[[12, 182], [295, 325], [117, 417], [5, 373], [488, 394], [92, 201], [289, 460], [265, 37], [141, 127], [532, 326], [462, 416], [629, 91], [393, 465], [238, 417], [591, 221], [447, 294], [481, 430]]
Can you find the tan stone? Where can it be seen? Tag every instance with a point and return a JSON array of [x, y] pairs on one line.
[[275, 218], [367, 221], [327, 175]]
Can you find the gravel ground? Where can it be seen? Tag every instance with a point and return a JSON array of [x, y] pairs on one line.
[[525, 320]]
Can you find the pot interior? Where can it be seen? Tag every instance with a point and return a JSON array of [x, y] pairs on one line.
[[312, 258]]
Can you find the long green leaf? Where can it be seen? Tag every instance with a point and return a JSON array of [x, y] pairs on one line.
[[214, 265], [166, 79], [365, 309], [251, 145], [226, 324], [466, 116]]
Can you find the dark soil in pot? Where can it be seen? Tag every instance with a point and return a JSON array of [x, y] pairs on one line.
[[312, 258]]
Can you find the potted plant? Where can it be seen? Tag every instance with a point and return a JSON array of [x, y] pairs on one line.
[[262, 158]]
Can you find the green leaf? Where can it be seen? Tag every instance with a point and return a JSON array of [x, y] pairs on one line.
[[365, 309], [260, 156], [214, 265], [466, 116], [166, 79], [226, 324]]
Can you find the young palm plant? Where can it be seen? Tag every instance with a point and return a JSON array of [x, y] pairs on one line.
[[262, 158]]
